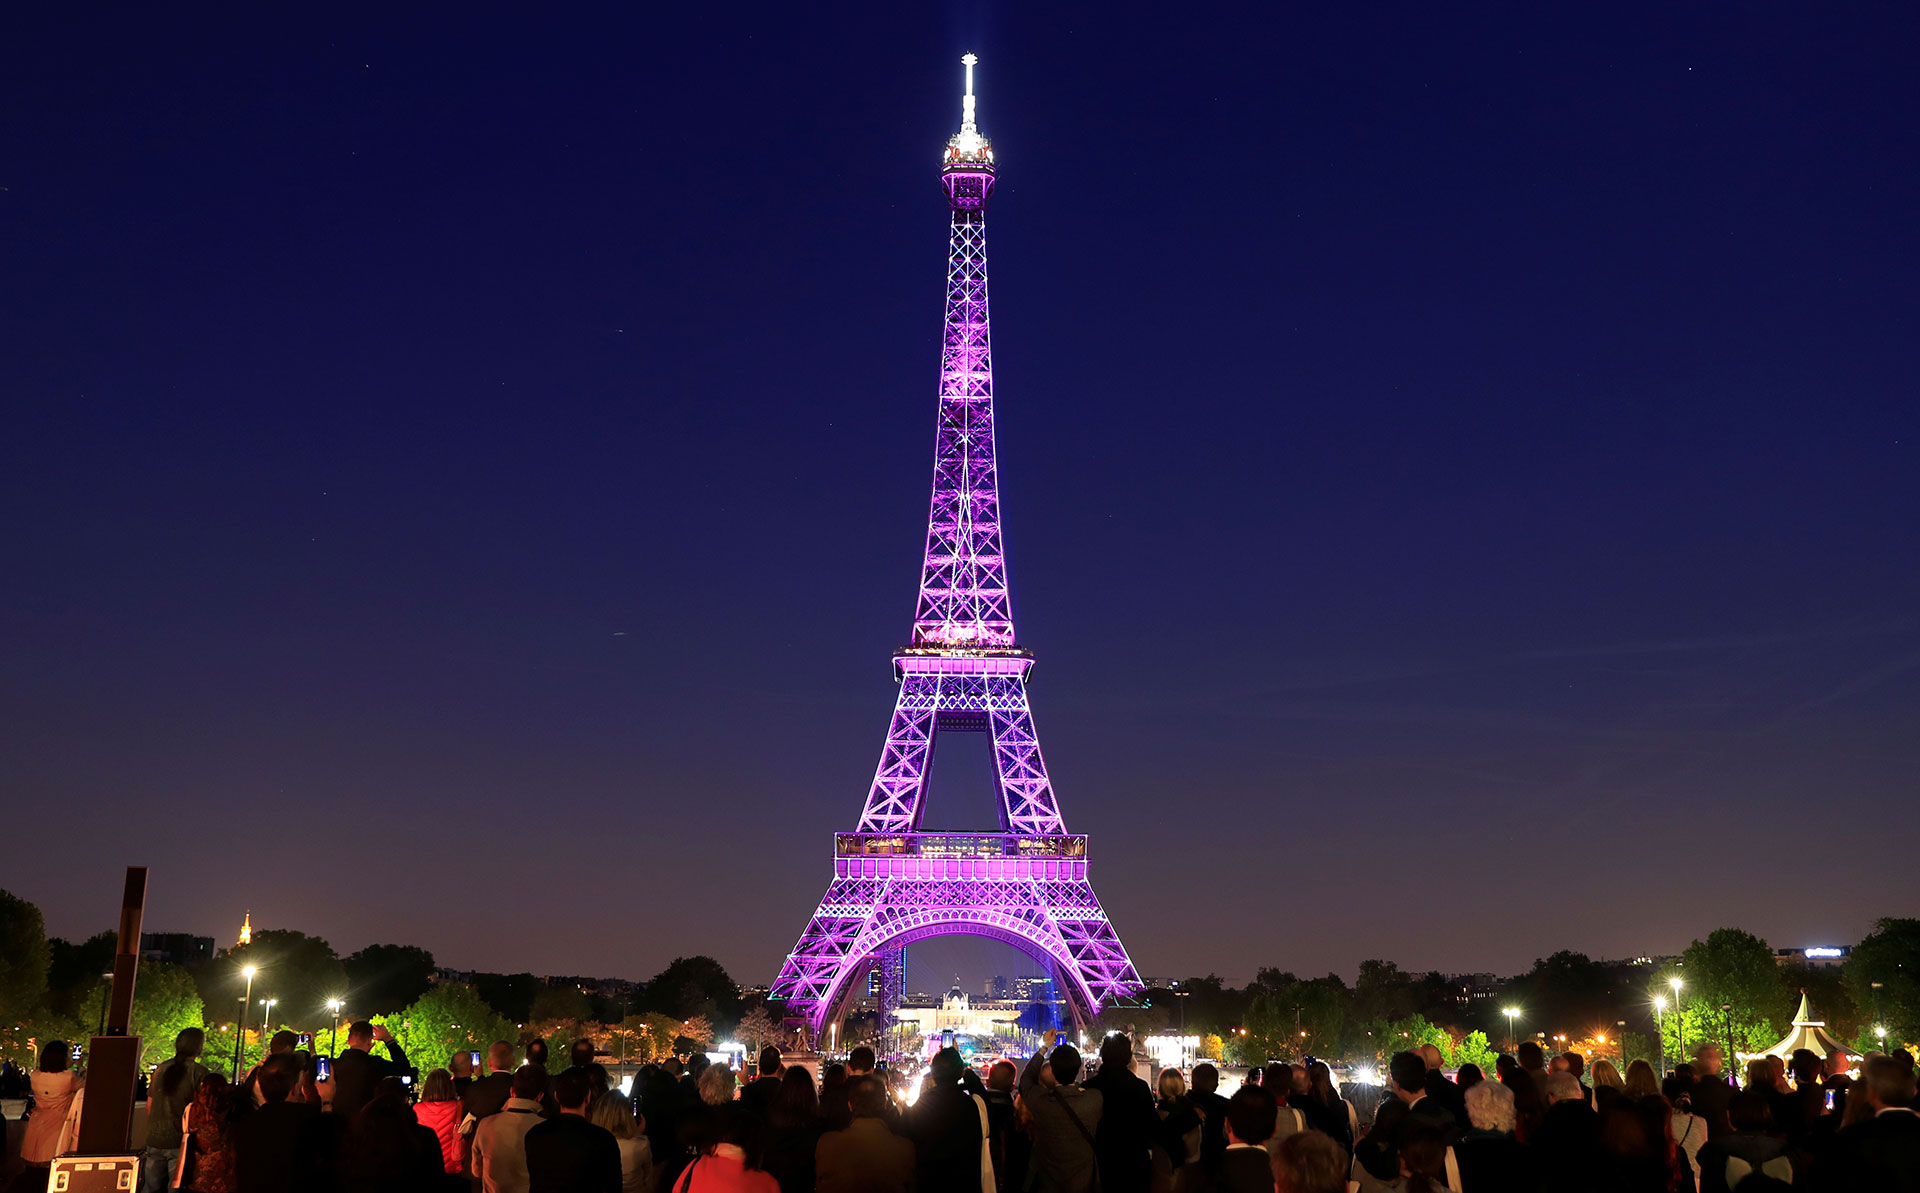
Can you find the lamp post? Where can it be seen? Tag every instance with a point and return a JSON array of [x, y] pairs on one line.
[[1182, 996], [240, 1037], [1681, 1009], [1513, 1015], [266, 1015], [1726, 1025], [1659, 1028], [333, 1040]]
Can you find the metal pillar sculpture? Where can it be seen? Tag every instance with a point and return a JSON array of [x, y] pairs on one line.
[[964, 670]]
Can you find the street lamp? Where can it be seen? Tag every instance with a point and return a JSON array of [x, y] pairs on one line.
[[239, 1038], [1513, 1015], [1681, 1009], [333, 1041], [1659, 1028], [266, 1014]]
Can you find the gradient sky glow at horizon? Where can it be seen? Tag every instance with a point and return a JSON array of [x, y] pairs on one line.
[[467, 471]]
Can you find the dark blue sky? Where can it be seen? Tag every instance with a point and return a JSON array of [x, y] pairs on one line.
[[465, 469]]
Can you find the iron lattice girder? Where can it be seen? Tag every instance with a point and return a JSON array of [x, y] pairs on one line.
[[894, 884]]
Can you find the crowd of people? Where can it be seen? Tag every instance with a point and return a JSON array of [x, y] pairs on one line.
[[1538, 1124]]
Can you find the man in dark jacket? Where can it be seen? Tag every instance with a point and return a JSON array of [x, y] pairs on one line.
[[568, 1154], [1882, 1152], [865, 1156], [1443, 1090], [280, 1139], [1410, 1105], [1245, 1167], [945, 1127], [356, 1071], [1212, 1108], [488, 1094], [1063, 1119], [1128, 1122]]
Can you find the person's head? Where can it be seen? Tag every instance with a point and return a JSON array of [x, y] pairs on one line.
[[1431, 1055], [1805, 1066], [1309, 1162], [1251, 1114], [1064, 1063], [1206, 1078], [1002, 1075], [1320, 1080], [1116, 1051], [1707, 1060], [279, 1075], [1423, 1158], [614, 1112], [1470, 1075], [56, 1056], [1777, 1069], [1559, 1064], [1490, 1107], [580, 1054], [500, 1057], [1749, 1112], [1759, 1074], [537, 1052], [1605, 1074], [1838, 1063], [282, 1041], [697, 1064], [461, 1063], [866, 1096], [795, 1104], [946, 1066], [1277, 1078], [1408, 1073], [716, 1085], [1531, 1056], [769, 1061], [1889, 1082], [190, 1043], [529, 1083], [1563, 1087], [1576, 1063], [360, 1034], [1504, 1064], [1640, 1081], [438, 1087], [1172, 1084], [572, 1089], [859, 1061]]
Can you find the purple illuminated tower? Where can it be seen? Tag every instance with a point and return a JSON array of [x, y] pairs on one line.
[[1026, 884]]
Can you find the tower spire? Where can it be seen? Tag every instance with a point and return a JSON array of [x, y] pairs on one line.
[[966, 101]]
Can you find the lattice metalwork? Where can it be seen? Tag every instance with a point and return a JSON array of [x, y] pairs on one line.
[[894, 883]]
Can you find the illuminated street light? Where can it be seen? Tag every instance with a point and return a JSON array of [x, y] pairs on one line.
[[240, 1037], [1513, 1016], [333, 1041], [1680, 1008]]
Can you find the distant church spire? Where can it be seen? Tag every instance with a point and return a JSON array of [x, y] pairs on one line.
[[246, 928]]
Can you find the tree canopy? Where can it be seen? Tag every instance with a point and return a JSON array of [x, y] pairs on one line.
[[383, 978]]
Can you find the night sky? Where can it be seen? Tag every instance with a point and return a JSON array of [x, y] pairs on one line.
[[466, 470]]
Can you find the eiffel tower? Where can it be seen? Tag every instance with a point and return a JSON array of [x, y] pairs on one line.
[[964, 671]]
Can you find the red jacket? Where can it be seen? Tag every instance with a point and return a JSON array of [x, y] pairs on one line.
[[444, 1118]]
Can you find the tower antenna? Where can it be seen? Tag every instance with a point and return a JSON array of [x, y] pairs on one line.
[[966, 101]]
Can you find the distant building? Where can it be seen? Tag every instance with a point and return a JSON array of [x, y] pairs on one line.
[[1469, 988], [1829, 956], [960, 1015], [246, 929], [460, 977], [175, 948], [1032, 989]]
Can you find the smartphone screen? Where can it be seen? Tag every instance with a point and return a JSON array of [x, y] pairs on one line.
[[76, 1052], [1059, 1038], [1829, 1099], [322, 1069], [475, 1058], [306, 1039]]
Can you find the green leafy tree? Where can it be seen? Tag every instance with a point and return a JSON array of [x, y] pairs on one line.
[[659, 1032], [1732, 994], [76, 981], [564, 1003], [1382, 992], [24, 958], [1566, 992], [449, 1018], [165, 1003], [1473, 1049], [1405, 1034], [383, 978], [1889, 955]]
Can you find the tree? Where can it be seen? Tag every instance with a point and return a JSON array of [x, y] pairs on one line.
[[510, 994], [75, 975], [1566, 992], [299, 972], [1889, 955], [1407, 1034], [698, 1030], [692, 986], [758, 1028], [383, 978], [659, 1033], [1732, 993], [1473, 1049], [561, 1002], [24, 957], [447, 1019], [165, 1003], [1382, 991]]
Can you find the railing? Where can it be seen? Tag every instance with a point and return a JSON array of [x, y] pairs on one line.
[[956, 845]]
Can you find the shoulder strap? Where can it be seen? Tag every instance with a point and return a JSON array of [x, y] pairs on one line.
[[1072, 1117]]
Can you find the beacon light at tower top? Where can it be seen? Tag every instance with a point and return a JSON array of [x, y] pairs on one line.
[[967, 147]]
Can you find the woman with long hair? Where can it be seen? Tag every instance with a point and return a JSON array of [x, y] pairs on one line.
[[1323, 1107], [724, 1164], [1607, 1084], [440, 1111], [793, 1129], [614, 1112], [1177, 1143], [1640, 1081], [213, 1126], [1687, 1129], [55, 1085]]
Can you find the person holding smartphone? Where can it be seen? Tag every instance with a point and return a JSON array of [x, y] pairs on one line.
[[356, 1070]]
